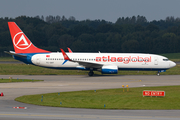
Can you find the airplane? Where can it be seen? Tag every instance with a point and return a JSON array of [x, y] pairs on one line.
[[106, 63]]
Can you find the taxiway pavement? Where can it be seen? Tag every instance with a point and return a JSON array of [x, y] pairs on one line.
[[62, 83]]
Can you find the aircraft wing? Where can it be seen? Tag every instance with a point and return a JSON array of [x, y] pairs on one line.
[[13, 53], [89, 65], [83, 63]]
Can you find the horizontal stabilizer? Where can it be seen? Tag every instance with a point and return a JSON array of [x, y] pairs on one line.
[[15, 54]]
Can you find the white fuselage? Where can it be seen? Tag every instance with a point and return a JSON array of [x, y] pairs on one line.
[[126, 61]]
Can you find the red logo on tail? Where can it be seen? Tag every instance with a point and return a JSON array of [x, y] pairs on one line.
[[21, 41]]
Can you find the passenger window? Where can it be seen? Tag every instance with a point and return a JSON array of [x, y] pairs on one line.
[[146, 60], [140, 59]]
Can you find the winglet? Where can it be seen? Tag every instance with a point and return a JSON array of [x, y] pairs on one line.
[[65, 55], [70, 51]]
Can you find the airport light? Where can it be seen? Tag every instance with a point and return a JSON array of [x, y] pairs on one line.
[[123, 87], [127, 87], [10, 78]]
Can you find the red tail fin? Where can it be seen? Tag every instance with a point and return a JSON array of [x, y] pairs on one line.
[[21, 42]]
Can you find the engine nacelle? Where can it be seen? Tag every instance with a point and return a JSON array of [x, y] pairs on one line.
[[109, 69]]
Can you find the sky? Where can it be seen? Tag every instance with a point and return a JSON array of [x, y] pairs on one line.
[[109, 10]]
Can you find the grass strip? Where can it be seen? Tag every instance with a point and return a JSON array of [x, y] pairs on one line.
[[111, 98], [17, 80], [7, 59]]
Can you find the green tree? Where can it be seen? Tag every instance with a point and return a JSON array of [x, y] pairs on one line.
[[65, 41], [130, 46]]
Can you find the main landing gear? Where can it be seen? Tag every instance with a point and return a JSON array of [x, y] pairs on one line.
[[91, 73]]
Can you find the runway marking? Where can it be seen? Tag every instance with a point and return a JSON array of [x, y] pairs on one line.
[[61, 85], [85, 116], [94, 116], [132, 80], [20, 107]]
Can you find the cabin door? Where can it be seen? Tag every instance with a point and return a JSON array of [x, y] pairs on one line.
[[38, 60], [156, 61]]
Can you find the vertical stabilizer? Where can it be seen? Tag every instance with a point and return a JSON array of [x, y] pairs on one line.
[[21, 42]]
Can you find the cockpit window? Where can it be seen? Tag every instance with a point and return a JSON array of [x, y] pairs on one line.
[[165, 59]]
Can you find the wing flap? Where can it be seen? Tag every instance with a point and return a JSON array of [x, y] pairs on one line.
[[89, 65]]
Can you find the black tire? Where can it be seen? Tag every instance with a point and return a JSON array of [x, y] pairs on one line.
[[91, 73]]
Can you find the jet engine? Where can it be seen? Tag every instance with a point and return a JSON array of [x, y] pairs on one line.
[[109, 69]]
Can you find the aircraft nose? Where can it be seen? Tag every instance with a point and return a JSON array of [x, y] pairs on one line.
[[172, 64]]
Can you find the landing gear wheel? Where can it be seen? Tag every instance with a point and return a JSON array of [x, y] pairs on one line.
[[158, 74], [91, 73]]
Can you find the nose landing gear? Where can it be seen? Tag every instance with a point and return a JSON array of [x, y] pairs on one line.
[[158, 74]]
